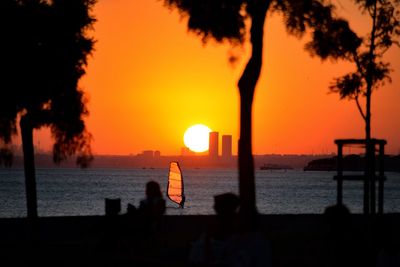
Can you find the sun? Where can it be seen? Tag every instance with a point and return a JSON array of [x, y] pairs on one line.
[[196, 138]]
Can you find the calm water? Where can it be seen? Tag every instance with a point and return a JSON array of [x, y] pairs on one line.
[[82, 192]]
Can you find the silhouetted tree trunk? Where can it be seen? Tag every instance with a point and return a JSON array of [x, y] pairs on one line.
[[29, 166], [370, 74], [369, 204], [247, 85]]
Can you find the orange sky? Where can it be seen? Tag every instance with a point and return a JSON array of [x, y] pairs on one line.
[[149, 80]]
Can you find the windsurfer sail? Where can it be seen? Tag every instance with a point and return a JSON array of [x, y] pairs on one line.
[[175, 184]]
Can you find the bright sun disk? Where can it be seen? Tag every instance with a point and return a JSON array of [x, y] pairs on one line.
[[196, 138]]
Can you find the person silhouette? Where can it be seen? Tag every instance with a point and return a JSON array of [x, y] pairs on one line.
[[182, 204], [149, 215], [210, 247], [225, 206], [225, 244], [344, 245], [152, 208]]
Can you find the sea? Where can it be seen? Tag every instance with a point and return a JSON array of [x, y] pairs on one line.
[[77, 192]]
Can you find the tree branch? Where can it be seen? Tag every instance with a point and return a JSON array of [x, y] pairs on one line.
[[359, 108]]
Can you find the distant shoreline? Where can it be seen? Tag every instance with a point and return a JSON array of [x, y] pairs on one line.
[[149, 162], [295, 162], [352, 163]]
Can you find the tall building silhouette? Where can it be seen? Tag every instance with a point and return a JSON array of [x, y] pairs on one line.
[[213, 145], [226, 146]]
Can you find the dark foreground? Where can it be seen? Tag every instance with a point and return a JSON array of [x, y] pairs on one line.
[[295, 240]]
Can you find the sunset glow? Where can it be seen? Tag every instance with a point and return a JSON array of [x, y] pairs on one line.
[[196, 138], [149, 79]]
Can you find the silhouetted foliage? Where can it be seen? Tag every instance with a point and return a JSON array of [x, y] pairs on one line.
[[44, 53], [225, 20], [331, 37], [217, 19], [371, 70]]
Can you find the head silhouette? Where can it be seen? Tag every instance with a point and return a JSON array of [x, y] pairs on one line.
[[338, 217], [153, 189], [226, 204], [337, 211]]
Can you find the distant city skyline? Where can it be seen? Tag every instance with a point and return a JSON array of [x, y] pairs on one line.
[[184, 151]]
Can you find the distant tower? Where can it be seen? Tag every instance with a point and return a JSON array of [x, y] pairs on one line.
[[226, 146], [213, 145]]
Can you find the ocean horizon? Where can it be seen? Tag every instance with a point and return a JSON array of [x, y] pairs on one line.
[[81, 192]]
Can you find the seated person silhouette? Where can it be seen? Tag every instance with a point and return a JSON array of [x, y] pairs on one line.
[[153, 206], [344, 244], [210, 248], [224, 244]]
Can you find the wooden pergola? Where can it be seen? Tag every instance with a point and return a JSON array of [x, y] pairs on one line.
[[373, 172]]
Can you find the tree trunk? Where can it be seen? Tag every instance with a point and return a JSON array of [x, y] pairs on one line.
[[370, 74], [247, 85], [29, 166], [369, 188]]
